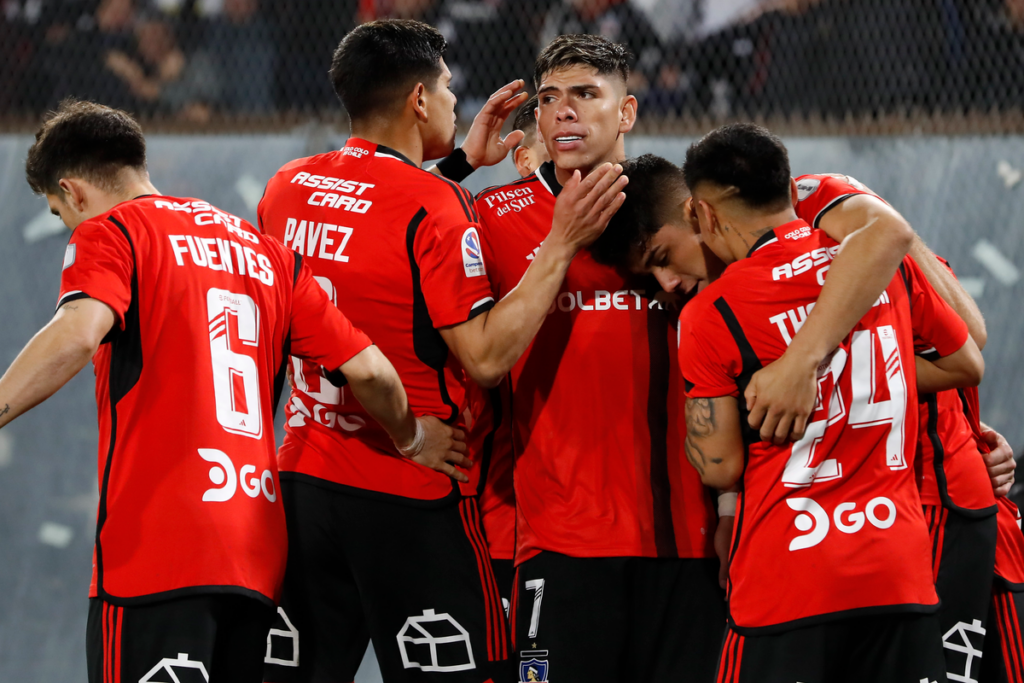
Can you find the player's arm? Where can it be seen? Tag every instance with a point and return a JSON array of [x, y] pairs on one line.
[[949, 288], [999, 460], [965, 368], [714, 441], [875, 238], [54, 355], [484, 145], [426, 440], [491, 343]]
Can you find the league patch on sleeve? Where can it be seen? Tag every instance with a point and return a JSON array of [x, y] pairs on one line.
[[472, 254], [69, 256], [806, 187]]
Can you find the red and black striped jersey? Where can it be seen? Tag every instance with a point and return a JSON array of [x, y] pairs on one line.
[[950, 469], [185, 385], [490, 435], [829, 526], [398, 250], [600, 469]]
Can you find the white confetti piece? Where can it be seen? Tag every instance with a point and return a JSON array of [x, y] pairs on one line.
[[44, 225], [1010, 175], [57, 535], [251, 191], [996, 263], [975, 286]]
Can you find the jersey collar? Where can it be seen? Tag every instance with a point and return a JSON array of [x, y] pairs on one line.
[[546, 176], [380, 150], [763, 240]]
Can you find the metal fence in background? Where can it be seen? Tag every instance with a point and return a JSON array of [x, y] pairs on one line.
[[877, 65]]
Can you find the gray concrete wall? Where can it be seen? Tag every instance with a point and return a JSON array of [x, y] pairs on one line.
[[963, 195]]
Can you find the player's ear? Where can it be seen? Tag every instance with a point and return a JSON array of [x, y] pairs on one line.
[[418, 101], [793, 192], [627, 114], [521, 158], [74, 193]]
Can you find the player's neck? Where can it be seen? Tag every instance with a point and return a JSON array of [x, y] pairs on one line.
[[401, 137], [616, 155], [748, 230]]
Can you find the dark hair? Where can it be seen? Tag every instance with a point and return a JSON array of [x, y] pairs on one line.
[[656, 188], [606, 57], [84, 140], [745, 156], [377, 64], [526, 119]]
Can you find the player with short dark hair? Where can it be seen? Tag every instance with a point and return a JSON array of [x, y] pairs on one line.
[[381, 549], [531, 152], [188, 314], [830, 575], [614, 533]]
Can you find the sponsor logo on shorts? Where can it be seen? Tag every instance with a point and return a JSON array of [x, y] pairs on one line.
[[428, 639], [168, 669], [534, 668], [958, 639], [472, 254]]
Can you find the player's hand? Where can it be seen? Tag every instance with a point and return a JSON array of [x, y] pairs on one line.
[[781, 397], [484, 145], [585, 206], [443, 448], [723, 539], [999, 461]]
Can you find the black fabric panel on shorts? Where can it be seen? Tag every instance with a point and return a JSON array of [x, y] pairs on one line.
[[427, 342], [657, 426], [497, 415], [751, 364], [125, 370]]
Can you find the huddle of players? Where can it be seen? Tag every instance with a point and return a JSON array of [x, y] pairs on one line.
[[581, 366]]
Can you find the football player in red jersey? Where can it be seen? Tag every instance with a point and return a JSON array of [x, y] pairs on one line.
[[400, 247], [830, 576], [188, 314], [531, 152]]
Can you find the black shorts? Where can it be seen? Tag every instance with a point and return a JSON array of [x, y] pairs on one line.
[[617, 619], [895, 648], [220, 638], [505, 575], [417, 581], [963, 557], [1003, 660]]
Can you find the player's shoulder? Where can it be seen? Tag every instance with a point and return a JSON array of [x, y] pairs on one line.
[[310, 166], [518, 199]]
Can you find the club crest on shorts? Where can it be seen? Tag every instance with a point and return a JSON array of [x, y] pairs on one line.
[[533, 670], [472, 254]]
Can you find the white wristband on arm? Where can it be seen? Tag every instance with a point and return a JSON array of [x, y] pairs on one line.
[[413, 449], [727, 504]]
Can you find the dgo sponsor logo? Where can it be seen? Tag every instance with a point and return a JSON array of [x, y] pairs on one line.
[[813, 520], [226, 481]]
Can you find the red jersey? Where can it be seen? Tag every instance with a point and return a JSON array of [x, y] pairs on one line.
[[397, 248], [832, 523], [490, 436], [600, 469], [185, 385], [950, 469]]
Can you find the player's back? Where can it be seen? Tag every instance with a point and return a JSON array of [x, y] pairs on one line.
[[599, 466], [187, 472], [394, 246], [831, 523]]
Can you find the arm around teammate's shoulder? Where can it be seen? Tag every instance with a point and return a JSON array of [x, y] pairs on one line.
[[962, 369], [491, 343]]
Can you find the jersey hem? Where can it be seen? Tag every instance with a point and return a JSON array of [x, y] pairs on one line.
[[451, 498], [582, 554], [187, 591], [876, 610], [1006, 584]]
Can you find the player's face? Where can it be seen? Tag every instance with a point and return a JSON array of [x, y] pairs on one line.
[[64, 210], [582, 116], [676, 256], [440, 138]]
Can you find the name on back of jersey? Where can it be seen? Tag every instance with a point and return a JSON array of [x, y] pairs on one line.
[[217, 253]]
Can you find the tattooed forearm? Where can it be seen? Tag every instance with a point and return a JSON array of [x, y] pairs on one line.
[[6, 409], [693, 452], [700, 417]]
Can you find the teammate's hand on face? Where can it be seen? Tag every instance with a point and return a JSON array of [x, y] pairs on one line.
[[484, 145], [585, 206], [723, 539], [999, 461], [443, 447], [781, 397]]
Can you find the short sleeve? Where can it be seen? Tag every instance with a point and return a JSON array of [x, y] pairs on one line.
[[818, 194], [708, 357], [487, 243], [938, 330], [98, 264], [453, 275], [321, 333]]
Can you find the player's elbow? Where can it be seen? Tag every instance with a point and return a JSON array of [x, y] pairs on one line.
[[485, 373], [368, 368], [722, 476]]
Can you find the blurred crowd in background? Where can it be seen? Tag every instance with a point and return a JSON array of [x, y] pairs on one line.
[[193, 60]]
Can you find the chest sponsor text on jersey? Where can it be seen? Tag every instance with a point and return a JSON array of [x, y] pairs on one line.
[[335, 193], [512, 199]]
